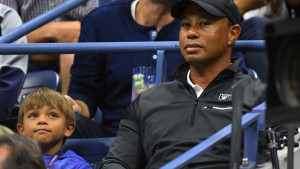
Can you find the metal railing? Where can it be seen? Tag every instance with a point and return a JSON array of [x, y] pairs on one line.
[[251, 122], [160, 48]]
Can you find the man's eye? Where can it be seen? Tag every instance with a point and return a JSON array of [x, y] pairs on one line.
[[185, 25], [204, 23]]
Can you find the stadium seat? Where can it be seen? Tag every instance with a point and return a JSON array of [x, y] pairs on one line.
[[243, 66], [35, 80], [93, 150], [105, 2]]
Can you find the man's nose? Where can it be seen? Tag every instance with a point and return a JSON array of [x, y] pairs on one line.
[[193, 33]]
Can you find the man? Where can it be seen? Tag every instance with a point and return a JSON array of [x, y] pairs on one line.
[[105, 80], [167, 120], [20, 152]]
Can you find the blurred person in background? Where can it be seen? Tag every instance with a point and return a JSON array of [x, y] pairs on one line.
[[275, 10], [20, 152], [13, 69], [65, 28], [105, 80]]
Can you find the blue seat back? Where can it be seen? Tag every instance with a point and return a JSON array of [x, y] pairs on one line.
[[93, 150], [35, 80]]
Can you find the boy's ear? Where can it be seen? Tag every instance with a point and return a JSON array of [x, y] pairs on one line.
[[69, 129], [20, 129]]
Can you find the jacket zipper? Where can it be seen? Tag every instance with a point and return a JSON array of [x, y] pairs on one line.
[[194, 112], [218, 108]]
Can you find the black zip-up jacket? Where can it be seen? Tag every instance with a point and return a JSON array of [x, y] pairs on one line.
[[167, 120]]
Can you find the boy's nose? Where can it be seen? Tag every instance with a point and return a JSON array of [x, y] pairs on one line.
[[42, 120]]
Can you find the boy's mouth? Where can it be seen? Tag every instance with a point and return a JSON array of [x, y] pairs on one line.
[[42, 131]]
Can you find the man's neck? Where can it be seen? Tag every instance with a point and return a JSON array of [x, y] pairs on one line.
[[203, 75], [154, 13]]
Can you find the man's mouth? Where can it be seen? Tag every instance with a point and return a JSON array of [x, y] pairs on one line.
[[192, 48]]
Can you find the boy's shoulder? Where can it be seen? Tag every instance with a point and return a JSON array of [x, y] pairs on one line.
[[68, 160], [71, 154]]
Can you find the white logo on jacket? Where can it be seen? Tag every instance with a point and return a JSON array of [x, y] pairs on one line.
[[225, 97]]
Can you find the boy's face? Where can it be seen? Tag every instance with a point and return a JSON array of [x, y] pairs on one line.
[[46, 125]]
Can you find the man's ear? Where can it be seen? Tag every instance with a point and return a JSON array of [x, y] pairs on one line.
[[20, 129], [233, 34], [69, 129]]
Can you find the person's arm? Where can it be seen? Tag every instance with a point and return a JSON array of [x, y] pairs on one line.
[[13, 67], [127, 149], [67, 31], [247, 5]]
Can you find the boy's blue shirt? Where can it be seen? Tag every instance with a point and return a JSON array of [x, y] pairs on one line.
[[68, 160]]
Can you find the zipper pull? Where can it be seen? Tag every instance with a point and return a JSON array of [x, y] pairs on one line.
[[196, 101]]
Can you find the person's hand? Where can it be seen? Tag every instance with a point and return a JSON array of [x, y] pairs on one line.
[[247, 5], [79, 106], [76, 107]]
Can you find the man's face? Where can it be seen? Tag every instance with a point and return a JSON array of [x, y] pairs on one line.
[[203, 37], [46, 125], [4, 153]]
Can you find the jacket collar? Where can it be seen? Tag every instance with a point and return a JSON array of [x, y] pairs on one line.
[[180, 73]]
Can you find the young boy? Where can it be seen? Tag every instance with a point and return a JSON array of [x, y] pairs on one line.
[[47, 116]]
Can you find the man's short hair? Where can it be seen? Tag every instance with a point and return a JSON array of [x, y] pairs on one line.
[[24, 153]]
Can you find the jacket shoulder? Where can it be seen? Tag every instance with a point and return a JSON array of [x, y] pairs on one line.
[[254, 89]]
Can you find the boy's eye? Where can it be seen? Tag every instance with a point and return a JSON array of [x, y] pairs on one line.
[[32, 115], [53, 115]]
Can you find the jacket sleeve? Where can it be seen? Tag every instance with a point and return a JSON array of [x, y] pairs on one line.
[[254, 93], [127, 150], [12, 67]]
